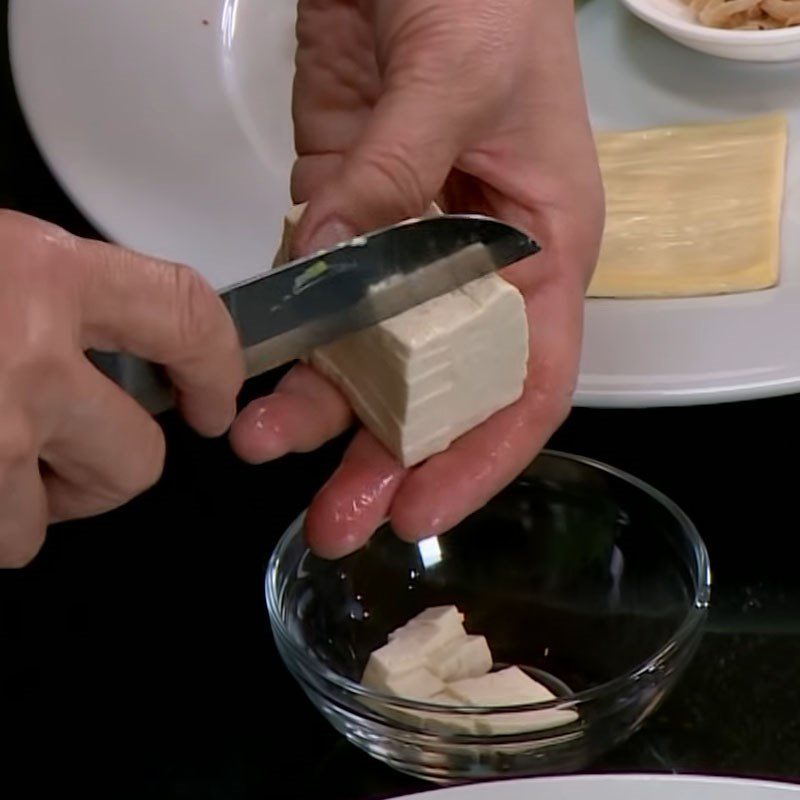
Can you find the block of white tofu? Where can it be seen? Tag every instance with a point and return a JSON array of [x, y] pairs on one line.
[[468, 657], [421, 379]]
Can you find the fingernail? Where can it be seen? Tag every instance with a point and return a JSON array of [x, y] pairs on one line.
[[330, 232]]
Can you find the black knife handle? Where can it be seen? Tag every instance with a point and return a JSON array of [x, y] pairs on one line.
[[145, 382]]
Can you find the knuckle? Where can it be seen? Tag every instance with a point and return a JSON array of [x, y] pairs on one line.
[[395, 170], [472, 55]]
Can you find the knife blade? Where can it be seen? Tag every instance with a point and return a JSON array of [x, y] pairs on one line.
[[284, 313]]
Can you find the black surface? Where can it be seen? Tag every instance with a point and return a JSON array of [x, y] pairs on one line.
[[135, 654]]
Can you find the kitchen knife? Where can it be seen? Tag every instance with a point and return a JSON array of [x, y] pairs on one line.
[[284, 313]]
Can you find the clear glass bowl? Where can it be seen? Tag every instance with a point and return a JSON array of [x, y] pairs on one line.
[[587, 578]]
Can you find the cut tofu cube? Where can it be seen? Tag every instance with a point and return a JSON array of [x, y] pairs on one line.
[[448, 722], [394, 658], [410, 650], [509, 687], [419, 684], [421, 379], [444, 618], [438, 615], [459, 656], [425, 638], [444, 722], [446, 698], [430, 639], [469, 657], [431, 658]]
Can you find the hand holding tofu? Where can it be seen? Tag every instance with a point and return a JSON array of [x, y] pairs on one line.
[[481, 107], [423, 378]]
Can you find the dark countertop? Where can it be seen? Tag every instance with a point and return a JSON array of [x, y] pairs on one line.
[[135, 653]]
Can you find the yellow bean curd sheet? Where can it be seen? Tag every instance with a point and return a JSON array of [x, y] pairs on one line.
[[692, 210]]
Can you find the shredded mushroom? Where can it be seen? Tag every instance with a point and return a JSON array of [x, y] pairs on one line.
[[747, 14]]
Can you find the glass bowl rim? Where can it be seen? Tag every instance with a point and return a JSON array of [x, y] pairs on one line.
[[696, 612]]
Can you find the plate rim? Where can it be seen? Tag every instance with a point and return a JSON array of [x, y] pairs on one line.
[[696, 779]]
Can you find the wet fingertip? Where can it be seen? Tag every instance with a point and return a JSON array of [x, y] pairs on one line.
[[244, 450], [413, 533], [355, 502], [330, 531], [414, 523], [325, 538], [405, 529], [253, 440]]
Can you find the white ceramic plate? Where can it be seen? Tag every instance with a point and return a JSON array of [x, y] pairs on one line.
[[167, 121], [619, 787], [173, 136]]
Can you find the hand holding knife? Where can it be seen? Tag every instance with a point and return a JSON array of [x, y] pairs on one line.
[[284, 313]]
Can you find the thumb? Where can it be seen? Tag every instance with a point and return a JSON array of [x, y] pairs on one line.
[[394, 171]]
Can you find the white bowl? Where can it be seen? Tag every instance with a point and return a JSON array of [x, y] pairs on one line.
[[676, 20]]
